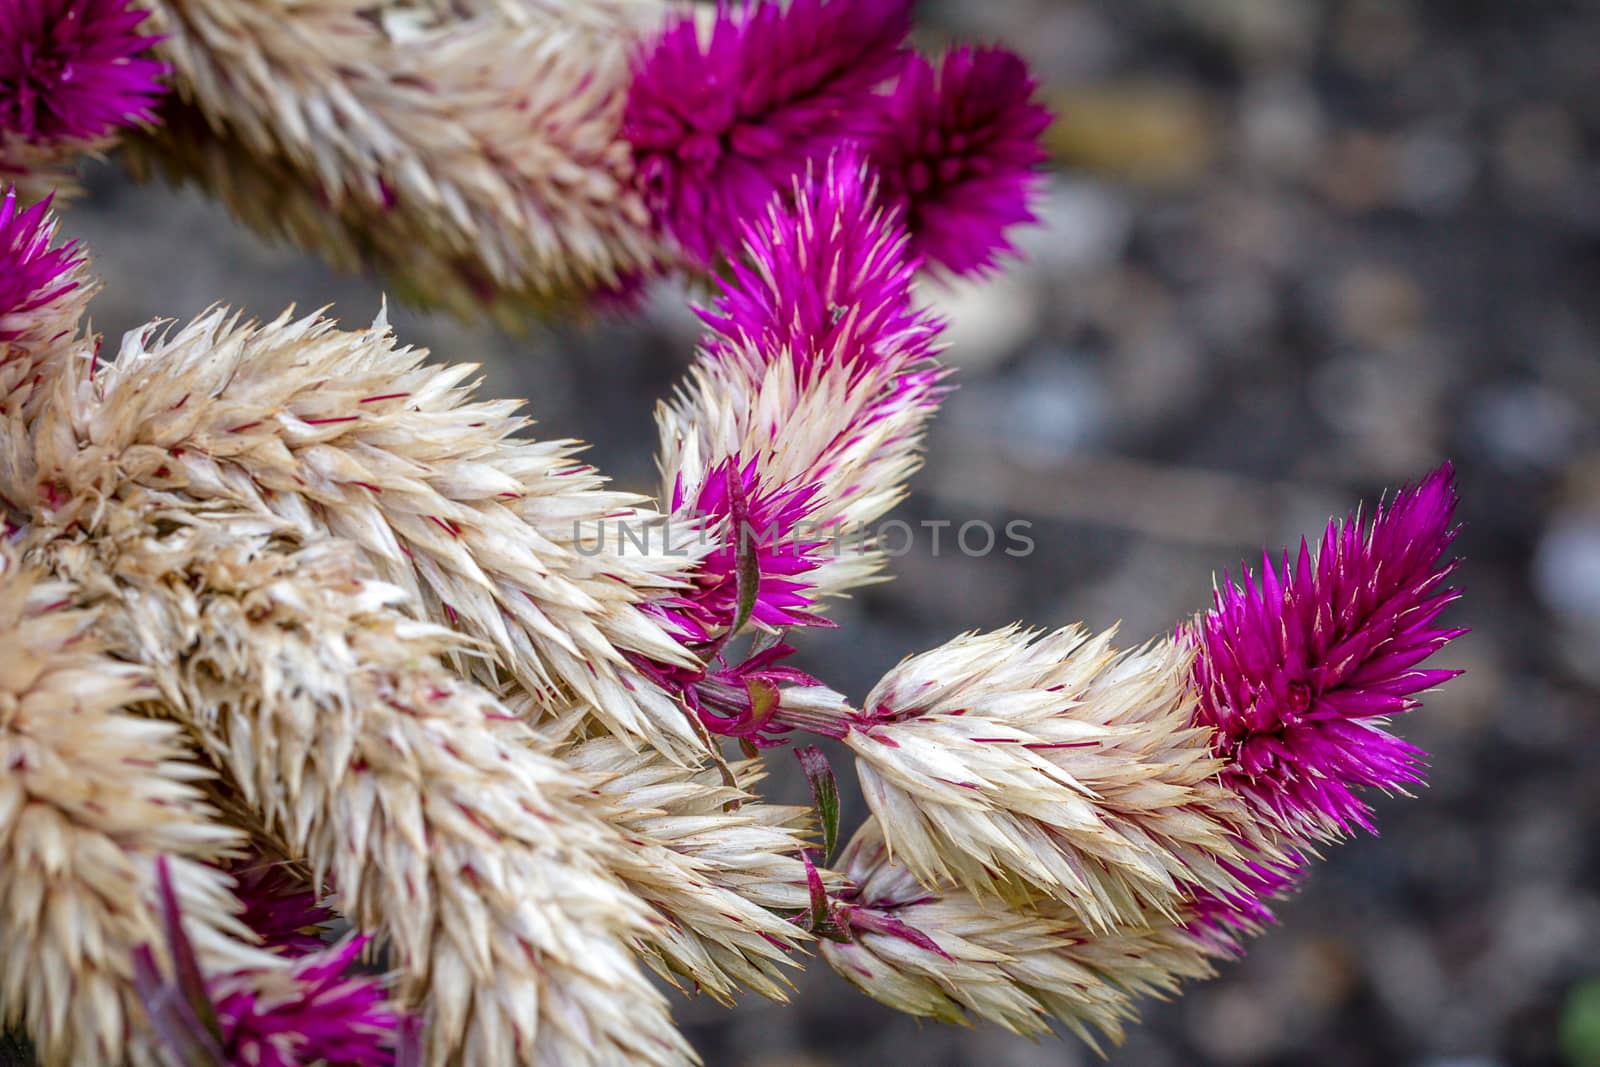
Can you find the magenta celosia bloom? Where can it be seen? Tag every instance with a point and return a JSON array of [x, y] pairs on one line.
[[957, 149], [279, 907], [826, 280], [323, 1016], [1299, 669], [718, 129], [32, 274], [70, 70], [783, 540], [772, 531]]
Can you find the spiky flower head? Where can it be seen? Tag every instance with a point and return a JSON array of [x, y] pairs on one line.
[[1299, 669], [72, 70], [957, 149], [316, 1012], [1014, 763], [346, 433], [720, 868], [469, 151], [722, 123], [948, 955], [799, 425], [42, 285], [819, 365], [93, 800], [772, 524]]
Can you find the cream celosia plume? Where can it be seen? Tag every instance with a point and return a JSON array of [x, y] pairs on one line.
[[472, 152], [412, 792], [343, 433], [90, 798], [946, 954], [715, 862], [1016, 763]]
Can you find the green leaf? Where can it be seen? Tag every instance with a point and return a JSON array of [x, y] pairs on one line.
[[825, 792]]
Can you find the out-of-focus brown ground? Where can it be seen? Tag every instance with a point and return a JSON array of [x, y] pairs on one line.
[[1295, 252]]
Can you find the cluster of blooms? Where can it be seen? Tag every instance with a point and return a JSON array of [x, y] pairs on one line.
[[508, 154], [298, 634], [285, 590]]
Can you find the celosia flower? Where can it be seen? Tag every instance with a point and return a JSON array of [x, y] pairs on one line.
[[1014, 764], [280, 906], [315, 1013], [719, 866], [718, 127], [33, 275], [94, 799], [471, 152], [957, 149], [775, 524], [813, 387], [826, 281], [1299, 669], [70, 70], [948, 955], [820, 365]]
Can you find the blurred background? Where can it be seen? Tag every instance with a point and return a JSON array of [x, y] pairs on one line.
[[1294, 252]]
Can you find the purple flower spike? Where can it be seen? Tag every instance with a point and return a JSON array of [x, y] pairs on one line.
[[320, 1015], [718, 129], [70, 69], [1299, 669], [958, 151], [32, 274], [825, 281]]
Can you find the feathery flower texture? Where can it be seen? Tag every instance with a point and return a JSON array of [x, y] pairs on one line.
[[297, 633], [958, 148]]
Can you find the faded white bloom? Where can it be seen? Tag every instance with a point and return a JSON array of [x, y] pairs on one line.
[[471, 151], [411, 792], [720, 867], [343, 433], [1016, 763], [954, 957], [91, 796]]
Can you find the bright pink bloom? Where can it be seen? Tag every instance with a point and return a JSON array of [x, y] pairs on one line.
[[1299, 670], [719, 129], [958, 149], [71, 70], [826, 280], [32, 274], [327, 1016], [784, 545]]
